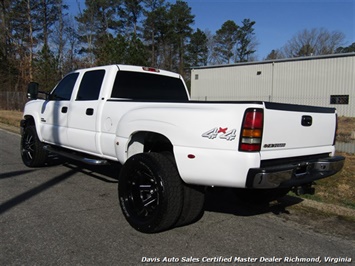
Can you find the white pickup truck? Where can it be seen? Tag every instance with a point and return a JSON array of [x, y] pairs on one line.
[[172, 148]]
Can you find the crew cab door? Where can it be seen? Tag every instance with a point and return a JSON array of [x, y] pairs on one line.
[[54, 112], [84, 112]]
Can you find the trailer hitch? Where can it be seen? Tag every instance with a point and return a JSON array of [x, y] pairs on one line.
[[304, 189]]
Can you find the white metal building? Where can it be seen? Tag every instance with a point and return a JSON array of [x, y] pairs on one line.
[[318, 80]]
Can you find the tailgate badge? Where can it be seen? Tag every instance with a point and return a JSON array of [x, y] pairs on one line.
[[275, 145]]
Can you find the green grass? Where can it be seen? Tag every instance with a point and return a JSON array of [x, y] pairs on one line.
[[338, 189]]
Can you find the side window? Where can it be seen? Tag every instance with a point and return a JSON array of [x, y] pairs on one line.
[[64, 88], [90, 85]]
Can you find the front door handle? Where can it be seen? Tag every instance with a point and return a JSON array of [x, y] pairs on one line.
[[89, 111], [64, 109]]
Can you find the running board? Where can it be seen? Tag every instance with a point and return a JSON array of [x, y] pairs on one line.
[[75, 156]]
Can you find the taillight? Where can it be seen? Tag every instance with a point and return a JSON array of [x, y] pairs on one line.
[[252, 130], [336, 129]]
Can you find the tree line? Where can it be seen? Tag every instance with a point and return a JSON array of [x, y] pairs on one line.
[[40, 40], [312, 42]]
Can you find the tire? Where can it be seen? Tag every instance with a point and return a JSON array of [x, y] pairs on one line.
[[150, 192], [193, 205], [261, 195], [32, 152]]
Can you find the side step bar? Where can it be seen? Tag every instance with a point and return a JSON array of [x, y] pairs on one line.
[[76, 156]]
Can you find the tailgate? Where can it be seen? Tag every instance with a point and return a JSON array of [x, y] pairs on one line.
[[297, 130]]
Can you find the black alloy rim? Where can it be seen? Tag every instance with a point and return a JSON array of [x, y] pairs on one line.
[[28, 146], [143, 194]]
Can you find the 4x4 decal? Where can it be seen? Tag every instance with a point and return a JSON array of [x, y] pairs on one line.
[[223, 133]]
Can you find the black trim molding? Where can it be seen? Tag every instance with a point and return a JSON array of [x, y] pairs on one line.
[[298, 108]]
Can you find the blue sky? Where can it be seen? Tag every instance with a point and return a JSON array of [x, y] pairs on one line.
[[276, 20]]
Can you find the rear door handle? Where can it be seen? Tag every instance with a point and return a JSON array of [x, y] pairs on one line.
[[64, 109], [89, 111]]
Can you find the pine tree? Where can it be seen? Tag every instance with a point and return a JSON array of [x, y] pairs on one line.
[[348, 49], [155, 12], [136, 52], [130, 14], [197, 50], [245, 44], [97, 20], [112, 50], [226, 39], [8, 71], [181, 21], [24, 29], [46, 69]]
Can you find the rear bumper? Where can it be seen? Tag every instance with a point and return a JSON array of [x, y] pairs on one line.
[[295, 174]]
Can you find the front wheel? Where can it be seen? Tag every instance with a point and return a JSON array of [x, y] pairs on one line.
[[32, 152], [150, 192]]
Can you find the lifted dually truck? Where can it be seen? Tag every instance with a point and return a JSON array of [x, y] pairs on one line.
[[172, 148]]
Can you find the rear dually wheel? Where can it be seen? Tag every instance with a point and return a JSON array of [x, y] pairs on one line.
[[150, 192]]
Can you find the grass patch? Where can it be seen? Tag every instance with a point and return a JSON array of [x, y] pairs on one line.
[[346, 125], [10, 117], [338, 189]]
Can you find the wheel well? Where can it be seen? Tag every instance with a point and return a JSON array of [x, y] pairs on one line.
[[27, 121], [148, 142]]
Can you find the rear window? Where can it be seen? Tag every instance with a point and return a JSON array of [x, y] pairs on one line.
[[144, 86]]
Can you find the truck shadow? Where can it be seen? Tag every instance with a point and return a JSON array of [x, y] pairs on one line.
[[225, 200], [16, 200], [219, 200], [108, 174]]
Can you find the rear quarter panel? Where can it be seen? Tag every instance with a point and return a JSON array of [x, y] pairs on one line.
[[216, 160]]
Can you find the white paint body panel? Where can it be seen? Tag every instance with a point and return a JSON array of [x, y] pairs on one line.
[[216, 161]]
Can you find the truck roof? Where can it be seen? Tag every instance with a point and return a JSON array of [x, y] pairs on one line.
[[133, 68]]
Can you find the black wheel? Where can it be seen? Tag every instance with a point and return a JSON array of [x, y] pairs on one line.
[[150, 192], [193, 206], [32, 152], [261, 195], [194, 200]]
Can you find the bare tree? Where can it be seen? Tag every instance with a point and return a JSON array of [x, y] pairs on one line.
[[317, 41]]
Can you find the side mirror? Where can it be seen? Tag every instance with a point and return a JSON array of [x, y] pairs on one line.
[[32, 90]]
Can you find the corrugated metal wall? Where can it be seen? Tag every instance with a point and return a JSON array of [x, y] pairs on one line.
[[232, 83], [309, 81]]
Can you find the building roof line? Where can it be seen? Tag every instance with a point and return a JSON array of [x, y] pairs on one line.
[[279, 60]]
